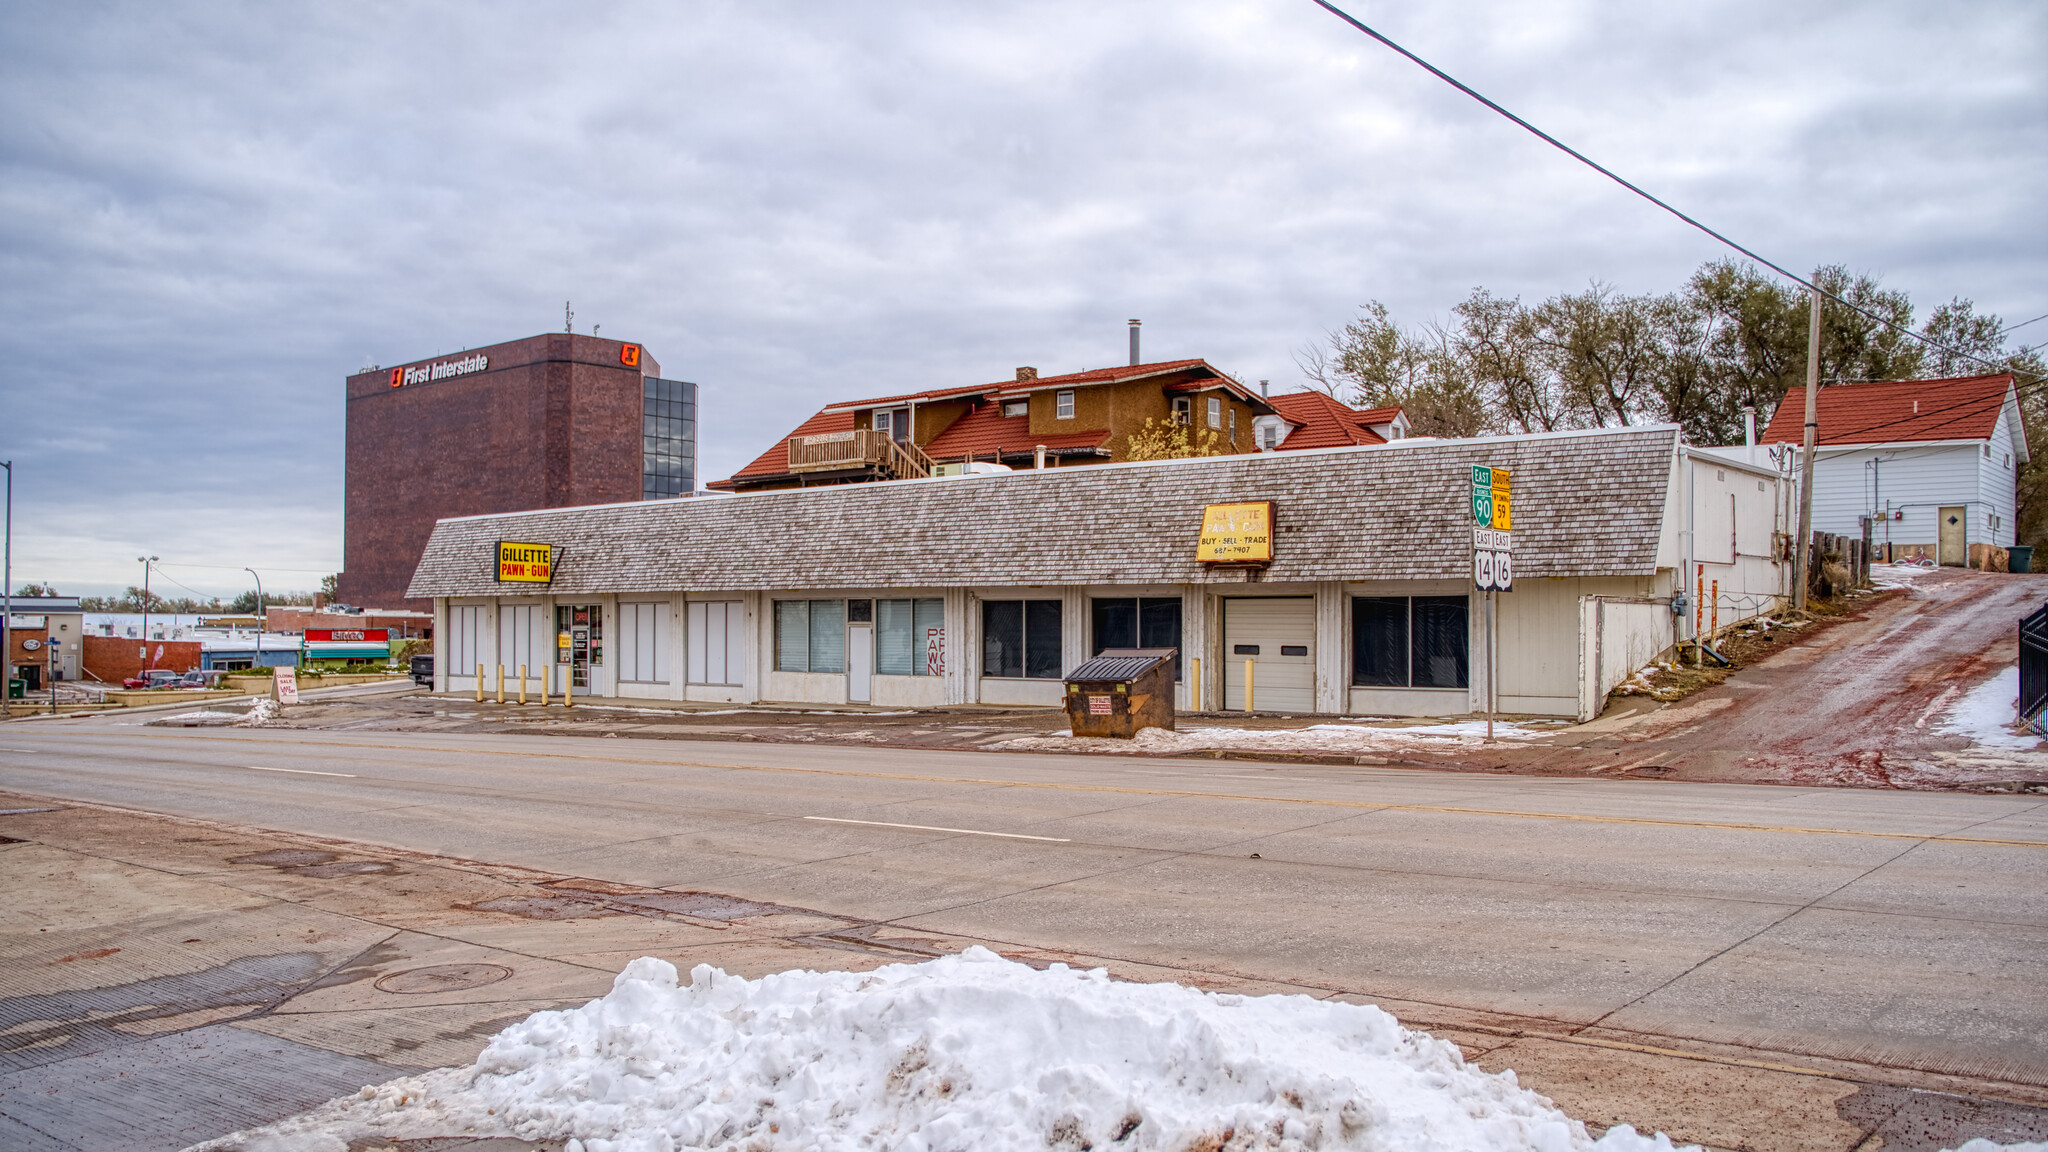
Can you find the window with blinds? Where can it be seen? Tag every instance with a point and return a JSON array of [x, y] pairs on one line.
[[910, 637], [810, 635]]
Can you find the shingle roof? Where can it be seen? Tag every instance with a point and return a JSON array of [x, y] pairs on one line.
[[1586, 504], [986, 429], [1885, 412], [1321, 422]]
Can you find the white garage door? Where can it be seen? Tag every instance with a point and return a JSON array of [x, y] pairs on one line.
[[1278, 636]]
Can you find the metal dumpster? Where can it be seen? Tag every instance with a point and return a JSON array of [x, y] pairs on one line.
[[1120, 691]]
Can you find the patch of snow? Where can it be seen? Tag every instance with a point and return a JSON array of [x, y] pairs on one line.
[[1982, 1145], [265, 712], [963, 1052], [202, 718], [1897, 575], [1314, 738], [1987, 713]]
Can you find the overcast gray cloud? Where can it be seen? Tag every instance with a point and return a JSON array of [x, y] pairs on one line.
[[210, 214]]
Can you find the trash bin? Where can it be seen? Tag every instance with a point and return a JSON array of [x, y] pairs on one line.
[[17, 689], [2022, 559], [1120, 691]]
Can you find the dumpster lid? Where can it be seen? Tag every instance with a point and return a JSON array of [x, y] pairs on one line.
[[1121, 663]]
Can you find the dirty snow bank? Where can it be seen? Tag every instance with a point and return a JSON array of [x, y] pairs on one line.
[[204, 718], [1897, 575], [1986, 714], [265, 711], [1314, 738], [963, 1052]]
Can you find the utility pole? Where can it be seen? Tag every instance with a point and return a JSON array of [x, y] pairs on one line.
[[7, 595], [258, 662], [1802, 547], [147, 663]]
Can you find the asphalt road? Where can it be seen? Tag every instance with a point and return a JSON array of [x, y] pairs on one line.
[[1895, 929]]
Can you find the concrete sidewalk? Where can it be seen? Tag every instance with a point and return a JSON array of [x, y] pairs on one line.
[[167, 981]]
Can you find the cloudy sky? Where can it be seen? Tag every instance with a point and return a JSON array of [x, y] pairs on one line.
[[212, 213]]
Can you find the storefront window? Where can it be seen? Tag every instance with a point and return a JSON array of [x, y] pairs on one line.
[[810, 635], [1021, 638], [910, 637], [1138, 622], [1409, 641]]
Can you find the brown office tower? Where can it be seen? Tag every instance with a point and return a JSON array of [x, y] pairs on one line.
[[547, 422]]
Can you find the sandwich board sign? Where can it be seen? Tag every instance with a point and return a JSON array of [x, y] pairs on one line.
[[285, 685], [1493, 547]]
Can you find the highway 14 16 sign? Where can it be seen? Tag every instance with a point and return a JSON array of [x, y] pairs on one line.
[[1493, 548]]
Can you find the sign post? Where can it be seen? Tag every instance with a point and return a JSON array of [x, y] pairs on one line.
[[1493, 564]]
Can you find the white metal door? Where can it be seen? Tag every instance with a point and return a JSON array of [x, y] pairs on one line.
[[860, 663], [1277, 635], [1951, 547]]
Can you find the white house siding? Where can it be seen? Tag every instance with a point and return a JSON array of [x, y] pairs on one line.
[[1915, 482]]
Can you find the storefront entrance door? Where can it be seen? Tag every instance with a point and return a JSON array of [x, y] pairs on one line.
[[860, 663], [580, 662]]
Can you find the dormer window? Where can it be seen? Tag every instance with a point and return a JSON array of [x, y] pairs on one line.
[[1183, 410], [1063, 405], [1017, 408], [1216, 412]]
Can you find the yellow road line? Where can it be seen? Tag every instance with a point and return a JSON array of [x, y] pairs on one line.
[[1361, 805]]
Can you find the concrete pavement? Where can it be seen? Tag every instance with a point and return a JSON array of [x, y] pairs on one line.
[[1847, 940]]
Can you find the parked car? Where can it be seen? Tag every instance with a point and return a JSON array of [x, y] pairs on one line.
[[197, 679], [154, 678], [423, 670]]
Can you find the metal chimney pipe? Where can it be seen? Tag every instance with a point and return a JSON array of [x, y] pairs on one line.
[[1748, 425], [1134, 340], [1265, 388]]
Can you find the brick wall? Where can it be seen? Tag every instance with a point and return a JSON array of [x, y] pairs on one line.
[[112, 659], [553, 422]]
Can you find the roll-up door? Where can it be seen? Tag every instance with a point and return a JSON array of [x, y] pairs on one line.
[[1278, 636]]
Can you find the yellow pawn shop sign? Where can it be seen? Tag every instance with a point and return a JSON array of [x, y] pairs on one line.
[[1237, 533], [525, 563]]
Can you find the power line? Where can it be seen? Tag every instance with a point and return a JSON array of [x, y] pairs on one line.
[[1611, 175], [2021, 324]]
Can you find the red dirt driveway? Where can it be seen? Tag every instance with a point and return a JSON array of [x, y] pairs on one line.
[[1858, 704]]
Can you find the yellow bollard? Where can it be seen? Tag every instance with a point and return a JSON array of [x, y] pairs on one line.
[[546, 672], [479, 683], [1195, 684], [501, 683], [522, 685], [569, 687], [1247, 685]]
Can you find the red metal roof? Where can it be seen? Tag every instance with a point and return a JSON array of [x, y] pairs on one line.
[[1020, 387], [776, 460], [1959, 408], [1321, 422], [984, 430]]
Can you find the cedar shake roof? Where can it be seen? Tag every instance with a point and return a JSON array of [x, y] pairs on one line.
[[1893, 411], [775, 461], [1587, 503], [1321, 422], [986, 429]]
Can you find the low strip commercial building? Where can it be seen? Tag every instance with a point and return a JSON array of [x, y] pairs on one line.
[[985, 589]]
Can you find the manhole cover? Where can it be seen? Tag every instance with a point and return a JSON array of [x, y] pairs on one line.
[[285, 858], [442, 978]]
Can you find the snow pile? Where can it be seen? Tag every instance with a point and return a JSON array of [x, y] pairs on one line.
[[1986, 714], [963, 1052], [201, 719], [265, 711], [1314, 738]]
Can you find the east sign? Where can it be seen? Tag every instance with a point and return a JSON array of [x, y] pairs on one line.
[[524, 563]]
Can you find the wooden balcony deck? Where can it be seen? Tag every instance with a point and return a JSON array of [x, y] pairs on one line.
[[858, 448]]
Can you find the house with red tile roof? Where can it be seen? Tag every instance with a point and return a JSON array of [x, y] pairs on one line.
[[1314, 419], [1933, 465], [1026, 422]]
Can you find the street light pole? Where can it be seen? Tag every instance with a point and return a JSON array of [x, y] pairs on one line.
[[146, 561], [259, 619]]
